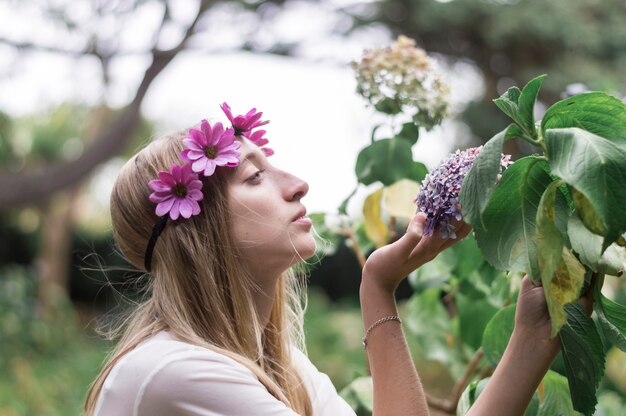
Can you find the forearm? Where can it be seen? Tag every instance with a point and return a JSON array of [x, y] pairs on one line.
[[517, 376], [397, 387]]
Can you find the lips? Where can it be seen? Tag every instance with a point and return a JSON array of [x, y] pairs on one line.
[[301, 213]]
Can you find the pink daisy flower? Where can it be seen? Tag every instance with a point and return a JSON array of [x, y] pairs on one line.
[[177, 192], [243, 124], [210, 147], [257, 137]]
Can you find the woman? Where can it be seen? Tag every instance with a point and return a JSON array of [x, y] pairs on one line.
[[218, 228]]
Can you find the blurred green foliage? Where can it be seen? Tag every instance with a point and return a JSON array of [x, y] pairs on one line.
[[46, 362]]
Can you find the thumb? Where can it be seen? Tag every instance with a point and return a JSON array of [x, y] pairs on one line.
[[413, 235]]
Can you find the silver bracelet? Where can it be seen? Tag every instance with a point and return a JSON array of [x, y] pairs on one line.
[[379, 322]]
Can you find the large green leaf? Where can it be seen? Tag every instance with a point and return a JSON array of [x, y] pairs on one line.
[[595, 112], [596, 167], [583, 354], [428, 321], [588, 246], [612, 317], [555, 398], [480, 181], [474, 314], [417, 172], [387, 161], [508, 241], [497, 333]]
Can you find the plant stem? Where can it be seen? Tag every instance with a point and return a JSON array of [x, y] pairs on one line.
[[457, 391], [347, 231]]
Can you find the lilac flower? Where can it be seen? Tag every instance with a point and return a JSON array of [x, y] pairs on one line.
[[210, 147], [439, 194], [177, 192], [243, 124]]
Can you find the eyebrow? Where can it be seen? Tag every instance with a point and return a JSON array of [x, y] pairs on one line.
[[250, 157]]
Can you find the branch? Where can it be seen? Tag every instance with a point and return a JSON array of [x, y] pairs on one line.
[[39, 185], [449, 406], [457, 391], [44, 48]]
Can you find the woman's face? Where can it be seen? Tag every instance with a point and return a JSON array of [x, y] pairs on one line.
[[269, 222]]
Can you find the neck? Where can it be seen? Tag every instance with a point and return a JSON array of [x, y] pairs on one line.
[[264, 300]]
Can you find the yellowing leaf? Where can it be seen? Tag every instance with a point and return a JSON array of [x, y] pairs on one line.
[[587, 213], [564, 288], [399, 198], [375, 228]]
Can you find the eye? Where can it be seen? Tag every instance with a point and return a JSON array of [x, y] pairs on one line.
[[256, 177]]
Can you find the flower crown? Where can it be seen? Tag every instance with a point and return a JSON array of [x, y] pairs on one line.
[[177, 192]]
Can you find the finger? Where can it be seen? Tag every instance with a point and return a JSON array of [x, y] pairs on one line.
[[461, 233], [412, 237], [586, 300], [527, 283]]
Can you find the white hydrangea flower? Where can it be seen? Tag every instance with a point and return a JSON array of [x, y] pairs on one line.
[[402, 78]]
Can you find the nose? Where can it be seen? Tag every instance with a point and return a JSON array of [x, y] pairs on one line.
[[295, 188]]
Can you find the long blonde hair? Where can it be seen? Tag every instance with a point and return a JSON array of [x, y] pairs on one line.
[[198, 290]]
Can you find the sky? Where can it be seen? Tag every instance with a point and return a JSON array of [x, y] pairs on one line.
[[318, 122]]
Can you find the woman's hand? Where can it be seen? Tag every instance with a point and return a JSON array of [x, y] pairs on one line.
[[532, 320], [389, 265]]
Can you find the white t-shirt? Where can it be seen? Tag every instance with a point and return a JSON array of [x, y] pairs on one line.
[[164, 376]]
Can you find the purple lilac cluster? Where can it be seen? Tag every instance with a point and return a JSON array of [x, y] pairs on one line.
[[439, 194]]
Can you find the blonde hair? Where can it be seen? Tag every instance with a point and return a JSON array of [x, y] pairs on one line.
[[198, 290]]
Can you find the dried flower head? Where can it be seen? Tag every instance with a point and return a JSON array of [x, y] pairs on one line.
[[402, 78], [439, 194]]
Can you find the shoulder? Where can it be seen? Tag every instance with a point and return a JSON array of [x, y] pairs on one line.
[[162, 374]]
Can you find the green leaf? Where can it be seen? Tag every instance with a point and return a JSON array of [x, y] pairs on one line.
[[480, 181], [583, 354], [596, 167], [550, 241], [497, 333], [612, 317], [410, 132], [595, 112], [588, 246], [389, 106], [360, 395], [564, 287], [417, 172], [475, 389], [474, 314], [386, 160], [508, 240], [429, 323], [526, 105], [519, 105], [555, 396], [513, 132], [507, 102]]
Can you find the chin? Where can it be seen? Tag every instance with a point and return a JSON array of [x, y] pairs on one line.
[[305, 249]]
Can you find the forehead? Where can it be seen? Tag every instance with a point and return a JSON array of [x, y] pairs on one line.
[[250, 152]]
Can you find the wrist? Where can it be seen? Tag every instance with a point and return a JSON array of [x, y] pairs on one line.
[[528, 343], [373, 287]]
